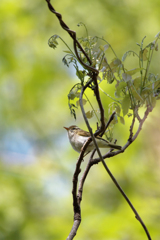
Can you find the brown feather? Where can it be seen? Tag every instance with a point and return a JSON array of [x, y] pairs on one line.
[[84, 133]]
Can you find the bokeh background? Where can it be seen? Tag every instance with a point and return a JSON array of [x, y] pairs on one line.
[[36, 160]]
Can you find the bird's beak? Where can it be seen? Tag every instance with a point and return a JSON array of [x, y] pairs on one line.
[[66, 128]]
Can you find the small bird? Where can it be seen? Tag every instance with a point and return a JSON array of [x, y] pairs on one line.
[[78, 137]]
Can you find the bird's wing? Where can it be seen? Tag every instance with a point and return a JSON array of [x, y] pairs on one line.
[[87, 134], [84, 134], [98, 137]]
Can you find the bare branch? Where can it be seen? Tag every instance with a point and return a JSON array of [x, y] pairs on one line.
[[73, 230]]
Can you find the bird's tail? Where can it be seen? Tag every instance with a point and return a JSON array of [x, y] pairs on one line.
[[114, 146]]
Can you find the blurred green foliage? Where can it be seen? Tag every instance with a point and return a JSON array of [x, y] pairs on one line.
[[36, 177]]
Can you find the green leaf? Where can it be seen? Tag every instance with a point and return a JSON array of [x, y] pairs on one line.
[[146, 91], [143, 55], [156, 84], [110, 77], [73, 112], [133, 71], [89, 114], [52, 41], [71, 95], [126, 102], [137, 82], [80, 74], [153, 101], [83, 102], [65, 62], [126, 77], [115, 62], [136, 94], [119, 87]]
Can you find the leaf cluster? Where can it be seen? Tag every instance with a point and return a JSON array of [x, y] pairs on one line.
[[134, 88]]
